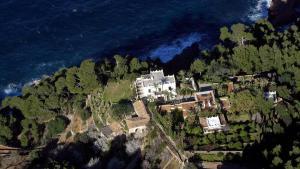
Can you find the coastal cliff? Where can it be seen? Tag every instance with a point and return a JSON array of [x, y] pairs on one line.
[[284, 11]]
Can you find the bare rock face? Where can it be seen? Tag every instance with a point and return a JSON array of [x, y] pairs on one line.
[[93, 163], [101, 145], [284, 11], [132, 146]]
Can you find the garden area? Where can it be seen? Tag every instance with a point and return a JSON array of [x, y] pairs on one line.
[[117, 91]]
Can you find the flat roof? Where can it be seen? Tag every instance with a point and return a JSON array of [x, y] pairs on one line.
[[213, 122], [155, 77], [136, 122]]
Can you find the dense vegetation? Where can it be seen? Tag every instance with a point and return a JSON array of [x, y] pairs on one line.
[[259, 49], [43, 109], [256, 125], [102, 91]]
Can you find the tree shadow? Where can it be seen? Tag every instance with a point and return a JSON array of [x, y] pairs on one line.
[[83, 154], [14, 117], [253, 154]]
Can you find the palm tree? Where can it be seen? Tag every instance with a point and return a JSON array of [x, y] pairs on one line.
[[181, 76], [163, 81], [155, 86]]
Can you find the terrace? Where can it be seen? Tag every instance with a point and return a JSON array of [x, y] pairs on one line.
[[138, 122], [206, 97]]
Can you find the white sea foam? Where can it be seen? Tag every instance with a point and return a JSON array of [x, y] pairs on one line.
[[44, 65], [260, 10], [35, 81], [12, 89], [167, 51]]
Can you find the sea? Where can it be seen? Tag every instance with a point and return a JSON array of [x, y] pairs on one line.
[[37, 37]]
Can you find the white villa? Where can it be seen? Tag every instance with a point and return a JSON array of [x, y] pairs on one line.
[[155, 85]]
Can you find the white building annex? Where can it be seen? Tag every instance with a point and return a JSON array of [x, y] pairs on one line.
[[213, 124], [155, 85], [271, 95]]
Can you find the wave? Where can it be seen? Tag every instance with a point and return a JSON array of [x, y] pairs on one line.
[[15, 89], [47, 65], [12, 89], [35, 81], [260, 10], [167, 51]]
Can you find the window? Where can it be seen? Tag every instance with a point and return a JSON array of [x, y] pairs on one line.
[[149, 90], [159, 89], [170, 88]]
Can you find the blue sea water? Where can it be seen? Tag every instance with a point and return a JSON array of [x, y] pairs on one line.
[[37, 37]]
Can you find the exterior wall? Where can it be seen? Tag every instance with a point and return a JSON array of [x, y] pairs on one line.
[[206, 101], [184, 106], [206, 130], [208, 92], [137, 129], [146, 92], [166, 87]]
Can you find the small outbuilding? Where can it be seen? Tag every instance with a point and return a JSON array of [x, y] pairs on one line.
[[206, 97], [213, 124], [225, 103], [138, 122], [271, 95]]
